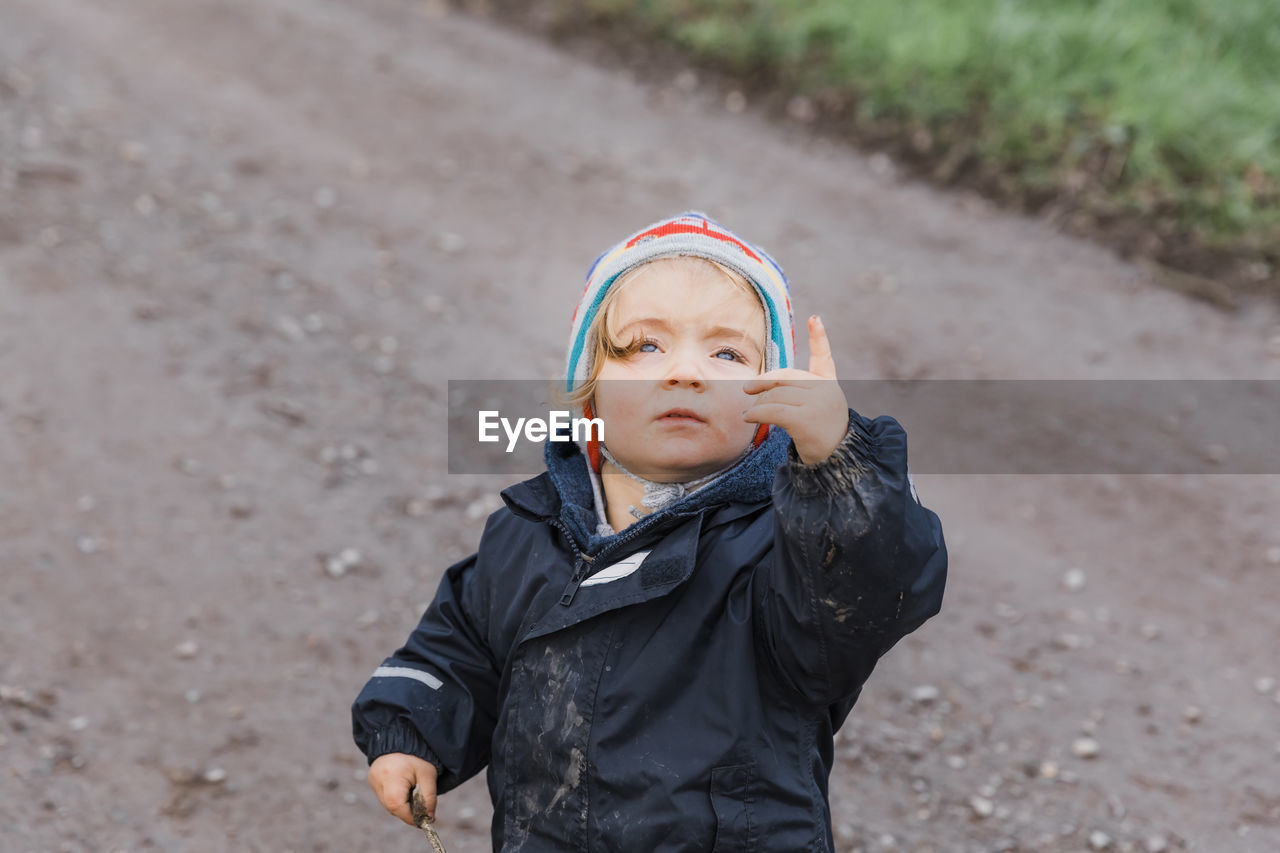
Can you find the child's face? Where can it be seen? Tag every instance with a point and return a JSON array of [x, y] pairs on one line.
[[703, 337]]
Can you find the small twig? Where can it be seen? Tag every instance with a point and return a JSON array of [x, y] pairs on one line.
[[424, 821]]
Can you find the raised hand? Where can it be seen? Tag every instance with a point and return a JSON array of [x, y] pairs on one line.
[[808, 404]]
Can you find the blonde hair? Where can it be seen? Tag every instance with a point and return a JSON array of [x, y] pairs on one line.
[[604, 346]]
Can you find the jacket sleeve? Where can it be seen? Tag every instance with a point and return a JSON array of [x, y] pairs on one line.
[[436, 697], [858, 563]]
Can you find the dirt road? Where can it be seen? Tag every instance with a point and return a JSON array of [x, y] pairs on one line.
[[244, 245]]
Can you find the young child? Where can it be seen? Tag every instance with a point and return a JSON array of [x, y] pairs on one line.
[[657, 637]]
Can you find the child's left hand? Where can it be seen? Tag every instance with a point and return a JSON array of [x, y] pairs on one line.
[[808, 404]]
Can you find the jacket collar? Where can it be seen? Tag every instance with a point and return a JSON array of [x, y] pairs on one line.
[[564, 492]]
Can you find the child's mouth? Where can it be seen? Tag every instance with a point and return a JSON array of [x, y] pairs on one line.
[[680, 415]]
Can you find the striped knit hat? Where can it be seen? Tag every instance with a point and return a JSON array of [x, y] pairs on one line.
[[695, 234]]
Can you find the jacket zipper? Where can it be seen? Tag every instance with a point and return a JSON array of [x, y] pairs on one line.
[[583, 562]]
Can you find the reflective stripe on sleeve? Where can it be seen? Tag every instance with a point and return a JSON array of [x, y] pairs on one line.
[[404, 672]]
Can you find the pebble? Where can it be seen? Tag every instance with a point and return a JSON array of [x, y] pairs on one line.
[[956, 762], [433, 303], [1099, 840], [145, 204], [324, 197], [1150, 631], [450, 243], [289, 329], [982, 807], [87, 544], [350, 798], [187, 649], [925, 694], [1073, 580], [1073, 641], [1156, 844], [735, 102], [32, 137], [193, 696], [1264, 684], [209, 202], [78, 724], [85, 503], [215, 775], [687, 80], [880, 164], [1085, 747], [335, 567], [1216, 453], [1049, 770], [1191, 714], [1273, 555], [133, 152], [313, 323]]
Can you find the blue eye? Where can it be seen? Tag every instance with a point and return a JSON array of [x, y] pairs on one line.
[[733, 355], [648, 344]]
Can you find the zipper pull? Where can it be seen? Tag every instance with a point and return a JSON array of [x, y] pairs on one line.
[[579, 575]]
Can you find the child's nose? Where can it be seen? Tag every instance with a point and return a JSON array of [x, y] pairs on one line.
[[684, 368]]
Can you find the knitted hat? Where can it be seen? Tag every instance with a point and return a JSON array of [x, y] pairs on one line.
[[692, 234]]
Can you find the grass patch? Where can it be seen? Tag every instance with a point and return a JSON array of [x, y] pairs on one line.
[[1165, 112]]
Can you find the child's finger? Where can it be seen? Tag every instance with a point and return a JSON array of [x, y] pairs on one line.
[[781, 414], [394, 796], [820, 360], [785, 395], [776, 378], [422, 804]]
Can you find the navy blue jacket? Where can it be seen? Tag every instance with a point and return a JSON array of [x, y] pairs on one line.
[[684, 705]]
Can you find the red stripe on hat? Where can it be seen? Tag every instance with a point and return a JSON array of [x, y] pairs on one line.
[[671, 228]]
